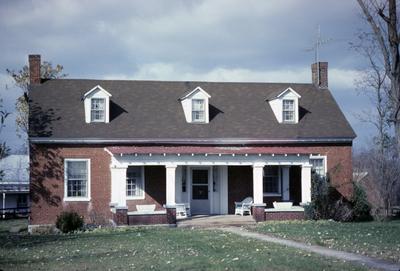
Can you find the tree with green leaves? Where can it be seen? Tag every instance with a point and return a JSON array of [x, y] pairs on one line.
[[21, 80]]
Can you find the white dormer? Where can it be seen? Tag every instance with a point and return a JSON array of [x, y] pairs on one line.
[[97, 105], [195, 106], [286, 106]]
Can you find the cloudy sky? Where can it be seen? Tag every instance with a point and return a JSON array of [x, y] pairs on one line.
[[217, 40]]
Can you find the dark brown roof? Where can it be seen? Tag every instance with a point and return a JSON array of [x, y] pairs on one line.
[[151, 109]]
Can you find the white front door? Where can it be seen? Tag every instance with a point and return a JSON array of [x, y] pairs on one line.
[[200, 201]]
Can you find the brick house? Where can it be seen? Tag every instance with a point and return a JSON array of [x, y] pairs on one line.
[[106, 147]]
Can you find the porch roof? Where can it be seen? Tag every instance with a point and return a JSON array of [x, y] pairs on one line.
[[204, 150]]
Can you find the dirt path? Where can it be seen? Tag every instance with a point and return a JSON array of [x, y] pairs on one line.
[[351, 257]]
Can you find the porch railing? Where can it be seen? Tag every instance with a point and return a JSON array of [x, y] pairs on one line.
[[18, 212]]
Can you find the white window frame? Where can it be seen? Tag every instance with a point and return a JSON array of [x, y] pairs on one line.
[[203, 120], [293, 110], [324, 161], [142, 179], [268, 194], [87, 198], [104, 110]]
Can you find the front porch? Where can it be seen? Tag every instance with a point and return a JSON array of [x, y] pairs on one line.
[[209, 183]]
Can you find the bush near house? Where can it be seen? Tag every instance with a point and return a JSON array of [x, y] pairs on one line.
[[69, 222], [328, 203]]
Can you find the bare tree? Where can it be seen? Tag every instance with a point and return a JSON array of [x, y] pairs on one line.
[[382, 16], [21, 80], [4, 150], [381, 160]]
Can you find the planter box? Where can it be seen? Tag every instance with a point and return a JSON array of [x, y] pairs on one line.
[[282, 205]]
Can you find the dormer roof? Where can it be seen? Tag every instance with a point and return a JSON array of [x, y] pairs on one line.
[[278, 94], [96, 88], [194, 91]]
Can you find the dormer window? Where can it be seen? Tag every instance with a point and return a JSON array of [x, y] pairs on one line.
[[97, 105], [285, 105], [97, 109], [198, 113], [288, 112], [195, 105]]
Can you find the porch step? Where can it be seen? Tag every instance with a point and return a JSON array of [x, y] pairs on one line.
[[204, 221]]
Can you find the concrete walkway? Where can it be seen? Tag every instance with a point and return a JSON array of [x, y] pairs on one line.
[[351, 257], [210, 221]]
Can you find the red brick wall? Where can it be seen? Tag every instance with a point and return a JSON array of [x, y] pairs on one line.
[[284, 215], [47, 184], [155, 188], [339, 166], [47, 181]]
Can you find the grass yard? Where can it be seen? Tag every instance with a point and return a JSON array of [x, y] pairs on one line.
[[375, 239], [153, 248]]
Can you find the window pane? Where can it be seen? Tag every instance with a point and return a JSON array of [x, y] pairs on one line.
[[288, 105], [200, 192], [198, 110], [288, 110], [134, 181], [97, 109], [197, 105], [76, 169], [200, 176], [271, 179], [318, 165], [77, 178]]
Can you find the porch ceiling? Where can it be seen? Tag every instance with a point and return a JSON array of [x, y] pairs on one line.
[[204, 150]]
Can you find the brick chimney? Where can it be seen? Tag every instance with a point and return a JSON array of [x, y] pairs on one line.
[[34, 69], [320, 79]]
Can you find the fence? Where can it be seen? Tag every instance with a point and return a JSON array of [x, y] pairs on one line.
[[19, 212]]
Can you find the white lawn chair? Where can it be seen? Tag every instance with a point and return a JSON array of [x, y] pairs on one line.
[[182, 210], [244, 206]]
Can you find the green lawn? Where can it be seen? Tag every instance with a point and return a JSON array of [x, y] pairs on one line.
[[153, 248], [375, 239]]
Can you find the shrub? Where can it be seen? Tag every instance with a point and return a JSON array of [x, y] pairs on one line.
[[319, 197], [327, 202], [361, 206], [69, 222], [309, 211]]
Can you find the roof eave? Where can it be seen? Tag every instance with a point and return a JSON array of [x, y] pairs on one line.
[[191, 141]]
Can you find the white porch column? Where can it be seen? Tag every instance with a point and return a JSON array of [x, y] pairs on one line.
[[258, 172], [306, 183], [118, 186], [4, 205], [285, 183], [170, 184]]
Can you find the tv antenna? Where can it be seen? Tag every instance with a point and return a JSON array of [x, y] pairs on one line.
[[317, 44]]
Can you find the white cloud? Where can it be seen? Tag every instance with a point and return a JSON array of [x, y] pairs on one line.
[[338, 78]]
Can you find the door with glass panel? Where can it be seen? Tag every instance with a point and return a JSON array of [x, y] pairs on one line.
[[200, 202]]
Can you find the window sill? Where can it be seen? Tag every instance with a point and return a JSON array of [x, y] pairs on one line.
[[134, 197], [76, 199], [272, 194]]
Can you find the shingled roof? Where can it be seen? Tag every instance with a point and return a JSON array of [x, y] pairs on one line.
[[152, 110]]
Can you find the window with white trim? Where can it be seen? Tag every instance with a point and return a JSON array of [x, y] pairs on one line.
[[318, 165], [288, 114], [134, 182], [198, 110], [97, 111], [77, 178], [272, 184]]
